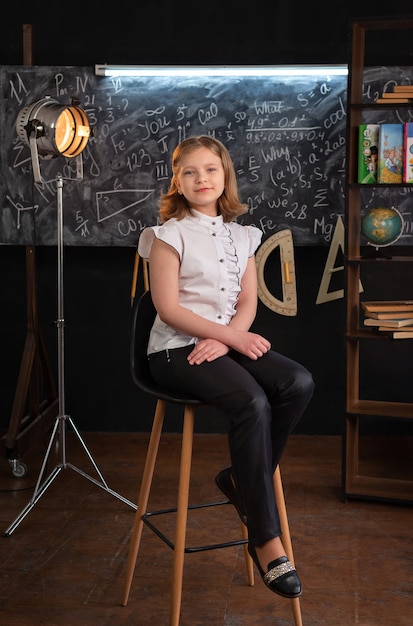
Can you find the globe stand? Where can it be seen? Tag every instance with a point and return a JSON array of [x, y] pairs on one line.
[[376, 254]]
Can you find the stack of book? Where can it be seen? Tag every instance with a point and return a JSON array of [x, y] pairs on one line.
[[393, 317], [386, 150], [401, 94], [385, 153]]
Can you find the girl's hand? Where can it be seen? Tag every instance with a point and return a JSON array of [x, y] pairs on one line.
[[207, 350], [250, 344]]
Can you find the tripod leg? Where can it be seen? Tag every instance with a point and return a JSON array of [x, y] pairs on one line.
[[59, 429], [59, 434], [40, 487], [102, 483]]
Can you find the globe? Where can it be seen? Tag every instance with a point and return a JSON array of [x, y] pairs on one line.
[[382, 226]]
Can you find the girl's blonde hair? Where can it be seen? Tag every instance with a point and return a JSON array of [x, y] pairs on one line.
[[173, 204]]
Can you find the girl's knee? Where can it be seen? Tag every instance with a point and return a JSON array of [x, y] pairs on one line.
[[254, 406], [305, 383]]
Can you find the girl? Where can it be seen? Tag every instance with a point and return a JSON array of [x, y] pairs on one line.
[[204, 286]]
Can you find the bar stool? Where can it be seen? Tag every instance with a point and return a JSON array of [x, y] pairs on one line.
[[143, 314]]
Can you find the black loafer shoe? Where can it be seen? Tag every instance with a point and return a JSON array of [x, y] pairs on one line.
[[281, 576], [224, 483]]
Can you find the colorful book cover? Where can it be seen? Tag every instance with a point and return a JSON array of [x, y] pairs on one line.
[[408, 153], [390, 165], [368, 153]]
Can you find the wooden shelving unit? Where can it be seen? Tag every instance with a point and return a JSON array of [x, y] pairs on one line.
[[357, 482]]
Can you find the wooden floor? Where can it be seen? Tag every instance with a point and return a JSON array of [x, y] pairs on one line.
[[63, 565]]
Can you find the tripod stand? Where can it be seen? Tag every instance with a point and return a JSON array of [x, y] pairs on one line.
[[58, 435]]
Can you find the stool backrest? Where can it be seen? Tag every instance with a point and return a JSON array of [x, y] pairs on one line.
[[143, 315]]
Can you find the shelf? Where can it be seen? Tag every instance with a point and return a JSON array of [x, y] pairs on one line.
[[380, 408], [360, 333], [370, 106], [379, 260], [361, 342], [380, 489], [392, 23], [354, 185], [378, 467]]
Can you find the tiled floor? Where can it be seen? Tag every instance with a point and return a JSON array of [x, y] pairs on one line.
[[64, 563]]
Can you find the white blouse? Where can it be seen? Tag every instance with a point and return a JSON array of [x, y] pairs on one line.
[[213, 257]]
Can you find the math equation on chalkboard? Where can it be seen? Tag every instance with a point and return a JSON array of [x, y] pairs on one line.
[[286, 136]]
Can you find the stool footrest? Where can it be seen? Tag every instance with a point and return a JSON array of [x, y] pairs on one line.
[[189, 549]]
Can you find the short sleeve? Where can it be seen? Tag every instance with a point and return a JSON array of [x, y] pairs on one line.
[[254, 237], [168, 232], [145, 241]]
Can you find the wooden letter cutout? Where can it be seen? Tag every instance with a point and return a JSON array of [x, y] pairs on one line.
[[337, 241]]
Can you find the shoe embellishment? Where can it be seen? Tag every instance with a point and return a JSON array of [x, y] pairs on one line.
[[277, 571]]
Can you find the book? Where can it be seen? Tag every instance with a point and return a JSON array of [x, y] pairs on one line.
[[387, 305], [389, 315], [391, 95], [403, 88], [408, 153], [390, 162], [396, 100], [368, 141], [402, 334], [388, 323]]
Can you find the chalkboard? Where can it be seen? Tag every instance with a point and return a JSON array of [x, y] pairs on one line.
[[286, 136]]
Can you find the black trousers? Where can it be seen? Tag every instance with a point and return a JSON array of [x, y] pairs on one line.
[[263, 400]]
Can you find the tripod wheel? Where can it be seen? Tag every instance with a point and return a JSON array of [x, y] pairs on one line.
[[18, 468]]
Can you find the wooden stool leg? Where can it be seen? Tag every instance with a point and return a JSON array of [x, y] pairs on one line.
[[144, 495], [182, 514], [248, 560], [286, 537]]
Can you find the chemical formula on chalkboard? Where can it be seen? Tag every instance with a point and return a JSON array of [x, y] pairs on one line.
[[286, 136]]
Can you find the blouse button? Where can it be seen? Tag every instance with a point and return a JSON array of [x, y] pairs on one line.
[[222, 288], [213, 223], [221, 260], [214, 234], [219, 316]]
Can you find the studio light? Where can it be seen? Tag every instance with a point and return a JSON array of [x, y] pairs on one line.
[[52, 129]]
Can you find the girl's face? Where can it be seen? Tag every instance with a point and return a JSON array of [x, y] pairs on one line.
[[201, 179]]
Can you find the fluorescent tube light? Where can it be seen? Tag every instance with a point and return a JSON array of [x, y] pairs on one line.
[[221, 70]]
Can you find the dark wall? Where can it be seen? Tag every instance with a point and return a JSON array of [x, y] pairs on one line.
[[217, 33], [97, 297], [99, 391]]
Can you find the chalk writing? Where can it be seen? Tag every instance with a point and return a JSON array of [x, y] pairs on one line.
[[286, 136]]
